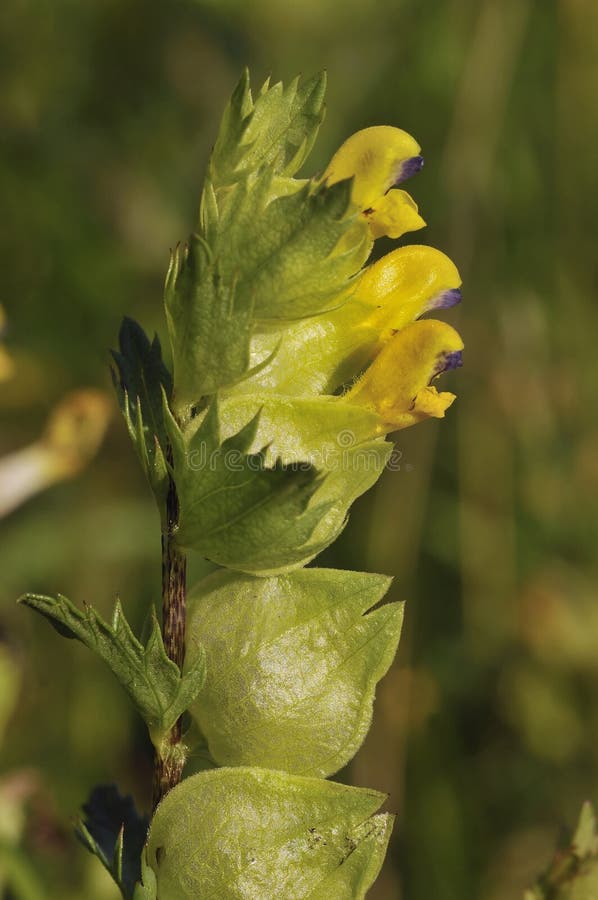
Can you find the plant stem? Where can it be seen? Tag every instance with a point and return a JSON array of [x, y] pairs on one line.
[[170, 759]]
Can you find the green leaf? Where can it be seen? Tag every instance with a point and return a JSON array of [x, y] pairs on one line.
[[285, 257], [585, 839], [269, 247], [236, 510], [573, 873], [326, 431], [293, 662], [245, 832], [147, 888], [318, 429], [142, 379], [209, 330], [292, 255], [352, 880], [360, 467], [314, 356], [278, 130], [227, 151], [154, 682], [272, 509], [585, 884], [112, 829]]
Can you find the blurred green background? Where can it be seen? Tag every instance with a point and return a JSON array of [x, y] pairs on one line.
[[486, 730]]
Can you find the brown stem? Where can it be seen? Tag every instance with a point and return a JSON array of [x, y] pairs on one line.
[[168, 764]]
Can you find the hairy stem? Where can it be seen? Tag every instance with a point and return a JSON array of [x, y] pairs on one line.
[[170, 758]]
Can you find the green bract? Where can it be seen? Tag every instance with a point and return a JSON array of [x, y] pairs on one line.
[[262, 257], [246, 833], [573, 874], [234, 509], [292, 665], [269, 498], [268, 246], [276, 130]]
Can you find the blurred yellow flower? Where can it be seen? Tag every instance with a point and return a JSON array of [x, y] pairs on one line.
[[72, 437], [6, 363]]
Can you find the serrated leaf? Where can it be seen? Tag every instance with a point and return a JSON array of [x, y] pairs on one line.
[[573, 873], [293, 662], [319, 429], [154, 682], [264, 834], [209, 330], [352, 880], [147, 888], [235, 120], [585, 839], [278, 130], [265, 259], [333, 435], [112, 829], [236, 510], [284, 255], [314, 356], [142, 379], [273, 509], [269, 247], [361, 467], [581, 886], [319, 354]]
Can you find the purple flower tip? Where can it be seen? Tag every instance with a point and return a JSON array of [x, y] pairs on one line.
[[453, 360], [446, 299], [410, 167], [446, 361]]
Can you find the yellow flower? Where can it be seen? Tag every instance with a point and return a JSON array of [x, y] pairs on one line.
[[72, 437], [405, 284], [6, 363], [320, 353], [400, 287], [398, 386], [394, 215], [376, 322], [378, 159]]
